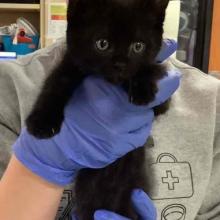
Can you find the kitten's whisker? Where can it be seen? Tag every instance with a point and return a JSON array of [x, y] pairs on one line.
[[53, 131], [130, 91]]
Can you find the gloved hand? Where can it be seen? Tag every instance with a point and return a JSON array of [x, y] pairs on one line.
[[168, 47], [142, 204], [100, 126]]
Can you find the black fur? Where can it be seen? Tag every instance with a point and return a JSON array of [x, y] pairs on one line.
[[121, 23]]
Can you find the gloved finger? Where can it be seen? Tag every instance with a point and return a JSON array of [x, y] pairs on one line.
[[143, 205], [107, 215], [139, 136], [168, 48], [74, 216], [133, 138], [166, 87]]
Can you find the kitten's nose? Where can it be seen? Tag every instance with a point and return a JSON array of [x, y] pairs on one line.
[[119, 66]]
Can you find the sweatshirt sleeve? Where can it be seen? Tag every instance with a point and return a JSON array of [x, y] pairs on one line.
[[7, 137], [210, 208], [20, 82], [9, 117]]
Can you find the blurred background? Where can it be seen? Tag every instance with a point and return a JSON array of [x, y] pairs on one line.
[[197, 32]]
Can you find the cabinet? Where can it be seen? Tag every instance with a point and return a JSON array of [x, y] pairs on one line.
[[9, 12], [214, 64]]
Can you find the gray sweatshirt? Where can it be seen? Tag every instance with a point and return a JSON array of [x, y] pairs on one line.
[[186, 152]]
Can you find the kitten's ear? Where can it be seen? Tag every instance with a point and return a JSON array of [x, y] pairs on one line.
[[162, 4], [75, 9], [72, 3], [160, 8]]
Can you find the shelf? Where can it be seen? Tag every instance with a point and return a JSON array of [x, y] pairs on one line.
[[19, 7]]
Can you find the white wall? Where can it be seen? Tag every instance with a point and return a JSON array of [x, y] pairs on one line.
[[171, 25]]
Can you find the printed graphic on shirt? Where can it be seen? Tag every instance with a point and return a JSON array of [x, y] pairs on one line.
[[173, 179], [174, 212], [65, 207]]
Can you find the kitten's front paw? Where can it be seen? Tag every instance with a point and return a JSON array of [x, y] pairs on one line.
[[44, 126], [162, 109], [143, 93]]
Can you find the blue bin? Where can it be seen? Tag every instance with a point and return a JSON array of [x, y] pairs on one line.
[[20, 48]]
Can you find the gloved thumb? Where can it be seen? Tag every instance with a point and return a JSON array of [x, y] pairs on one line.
[[166, 87], [143, 205], [107, 215]]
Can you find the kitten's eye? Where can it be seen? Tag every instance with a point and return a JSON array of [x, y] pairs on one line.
[[138, 47], [102, 44]]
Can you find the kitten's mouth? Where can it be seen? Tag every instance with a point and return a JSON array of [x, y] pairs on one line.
[[117, 79]]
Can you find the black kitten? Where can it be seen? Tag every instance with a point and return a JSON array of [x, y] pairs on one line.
[[118, 39]]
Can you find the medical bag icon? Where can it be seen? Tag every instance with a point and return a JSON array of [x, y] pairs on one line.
[[172, 179]]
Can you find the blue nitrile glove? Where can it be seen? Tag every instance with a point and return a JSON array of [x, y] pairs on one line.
[[168, 48], [100, 126], [142, 204]]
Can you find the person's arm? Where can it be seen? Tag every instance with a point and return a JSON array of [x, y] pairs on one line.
[[22, 192]]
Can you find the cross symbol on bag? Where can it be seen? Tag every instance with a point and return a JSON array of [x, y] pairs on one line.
[[170, 180]]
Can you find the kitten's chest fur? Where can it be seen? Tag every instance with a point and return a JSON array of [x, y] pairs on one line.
[[110, 188]]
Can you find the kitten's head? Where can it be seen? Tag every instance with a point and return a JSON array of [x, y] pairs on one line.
[[115, 37]]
